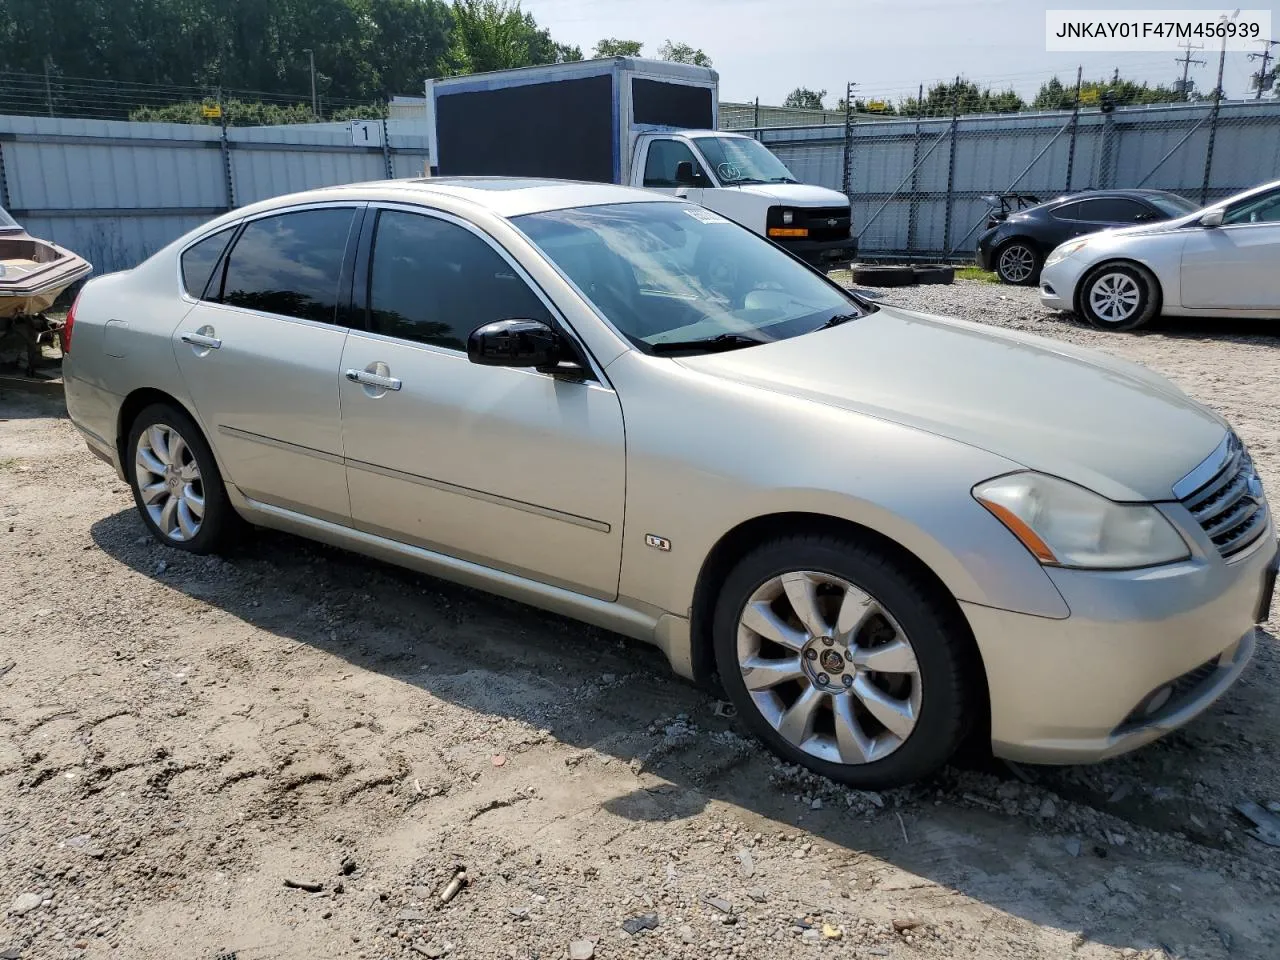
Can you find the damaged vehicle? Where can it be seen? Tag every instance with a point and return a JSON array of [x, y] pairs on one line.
[[883, 531]]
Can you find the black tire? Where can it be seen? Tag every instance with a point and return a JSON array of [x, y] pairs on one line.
[[1144, 308], [944, 650], [1018, 253], [934, 273], [220, 524], [883, 276]]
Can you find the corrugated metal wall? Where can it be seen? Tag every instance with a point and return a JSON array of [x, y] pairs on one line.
[[917, 186], [115, 192]]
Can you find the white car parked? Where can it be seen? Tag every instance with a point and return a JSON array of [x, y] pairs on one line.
[[1217, 262]]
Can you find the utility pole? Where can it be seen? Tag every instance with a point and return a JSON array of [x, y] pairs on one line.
[[49, 87], [847, 179], [1213, 114], [315, 107], [1187, 60], [1265, 56]]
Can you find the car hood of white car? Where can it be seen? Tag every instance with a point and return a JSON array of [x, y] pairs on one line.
[[1106, 424], [798, 194]]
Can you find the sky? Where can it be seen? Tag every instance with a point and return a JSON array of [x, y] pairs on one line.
[[766, 48]]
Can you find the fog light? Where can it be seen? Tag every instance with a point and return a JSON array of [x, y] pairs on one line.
[[1156, 702]]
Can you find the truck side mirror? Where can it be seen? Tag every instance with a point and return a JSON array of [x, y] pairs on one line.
[[685, 175]]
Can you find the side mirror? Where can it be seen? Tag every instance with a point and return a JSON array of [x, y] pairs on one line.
[[685, 175], [515, 343], [1212, 219]]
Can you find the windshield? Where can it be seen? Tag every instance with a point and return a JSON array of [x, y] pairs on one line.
[[741, 160], [672, 276], [1172, 204], [7, 223]]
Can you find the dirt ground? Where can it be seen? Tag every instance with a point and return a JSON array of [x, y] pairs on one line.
[[181, 737]]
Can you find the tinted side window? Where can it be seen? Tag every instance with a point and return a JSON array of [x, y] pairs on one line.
[[1119, 210], [290, 264], [1263, 209], [199, 260], [664, 157], [434, 282]]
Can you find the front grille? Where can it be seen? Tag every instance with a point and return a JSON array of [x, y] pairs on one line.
[[1231, 507], [819, 222]]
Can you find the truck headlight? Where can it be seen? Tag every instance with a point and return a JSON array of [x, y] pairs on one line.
[[1065, 250], [1064, 525], [788, 217]]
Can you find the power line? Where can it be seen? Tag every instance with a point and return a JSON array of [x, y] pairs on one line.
[[1262, 80]]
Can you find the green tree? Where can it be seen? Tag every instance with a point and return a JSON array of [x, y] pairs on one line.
[[612, 47], [498, 35], [962, 96], [683, 53], [804, 97], [1054, 95]]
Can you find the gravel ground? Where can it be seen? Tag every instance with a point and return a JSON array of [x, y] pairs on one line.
[[181, 738]]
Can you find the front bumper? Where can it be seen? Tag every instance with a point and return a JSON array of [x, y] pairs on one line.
[[1092, 686], [1058, 283], [822, 253]]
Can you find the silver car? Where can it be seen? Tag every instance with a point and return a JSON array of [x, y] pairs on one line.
[[1217, 262], [883, 531]]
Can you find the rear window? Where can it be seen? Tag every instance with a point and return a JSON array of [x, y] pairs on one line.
[[290, 264], [199, 260]]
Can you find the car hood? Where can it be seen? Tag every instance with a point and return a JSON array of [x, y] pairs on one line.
[[1106, 424], [796, 194]]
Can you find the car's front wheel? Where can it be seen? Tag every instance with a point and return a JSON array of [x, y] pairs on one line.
[[844, 660], [176, 484], [1119, 297]]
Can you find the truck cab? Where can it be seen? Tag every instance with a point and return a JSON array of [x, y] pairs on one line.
[[737, 177]]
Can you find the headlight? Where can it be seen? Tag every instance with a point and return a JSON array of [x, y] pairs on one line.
[[1065, 525], [788, 217], [1065, 250]]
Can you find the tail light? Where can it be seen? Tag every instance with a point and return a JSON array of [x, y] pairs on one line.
[[69, 324]]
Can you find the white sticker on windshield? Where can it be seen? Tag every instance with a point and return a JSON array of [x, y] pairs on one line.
[[706, 216]]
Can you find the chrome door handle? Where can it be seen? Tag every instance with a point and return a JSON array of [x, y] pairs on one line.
[[200, 340], [373, 379]]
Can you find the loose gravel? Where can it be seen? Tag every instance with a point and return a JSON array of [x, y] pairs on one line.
[[294, 752]]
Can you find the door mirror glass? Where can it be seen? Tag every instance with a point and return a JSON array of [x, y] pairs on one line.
[[515, 343], [685, 175], [1212, 219]]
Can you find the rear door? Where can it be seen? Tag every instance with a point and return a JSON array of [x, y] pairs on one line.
[[260, 352], [1234, 266], [509, 468], [1098, 213]]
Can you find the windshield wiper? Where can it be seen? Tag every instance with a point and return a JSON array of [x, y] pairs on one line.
[[840, 318], [725, 341], [742, 180]]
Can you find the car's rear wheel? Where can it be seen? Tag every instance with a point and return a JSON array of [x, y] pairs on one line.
[[843, 660], [1018, 263], [176, 484], [1119, 297]]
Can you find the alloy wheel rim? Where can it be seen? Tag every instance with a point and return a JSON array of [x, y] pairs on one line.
[[828, 667], [1016, 263], [1114, 297], [169, 482]]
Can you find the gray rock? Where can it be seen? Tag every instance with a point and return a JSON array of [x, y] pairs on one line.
[[686, 934], [1048, 809], [816, 804], [635, 925], [409, 915], [582, 950], [11, 953], [520, 913], [25, 903], [1073, 846], [746, 865], [719, 903], [758, 894]]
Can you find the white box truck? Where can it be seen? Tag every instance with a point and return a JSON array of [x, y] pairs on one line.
[[626, 120]]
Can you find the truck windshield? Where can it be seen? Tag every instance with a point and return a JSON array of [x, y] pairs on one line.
[[678, 278], [742, 160]]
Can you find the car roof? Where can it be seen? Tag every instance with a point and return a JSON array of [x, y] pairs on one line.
[[504, 196], [1134, 193]]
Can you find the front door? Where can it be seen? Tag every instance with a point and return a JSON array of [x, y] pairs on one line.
[[663, 156], [259, 354], [509, 468], [1234, 266]]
